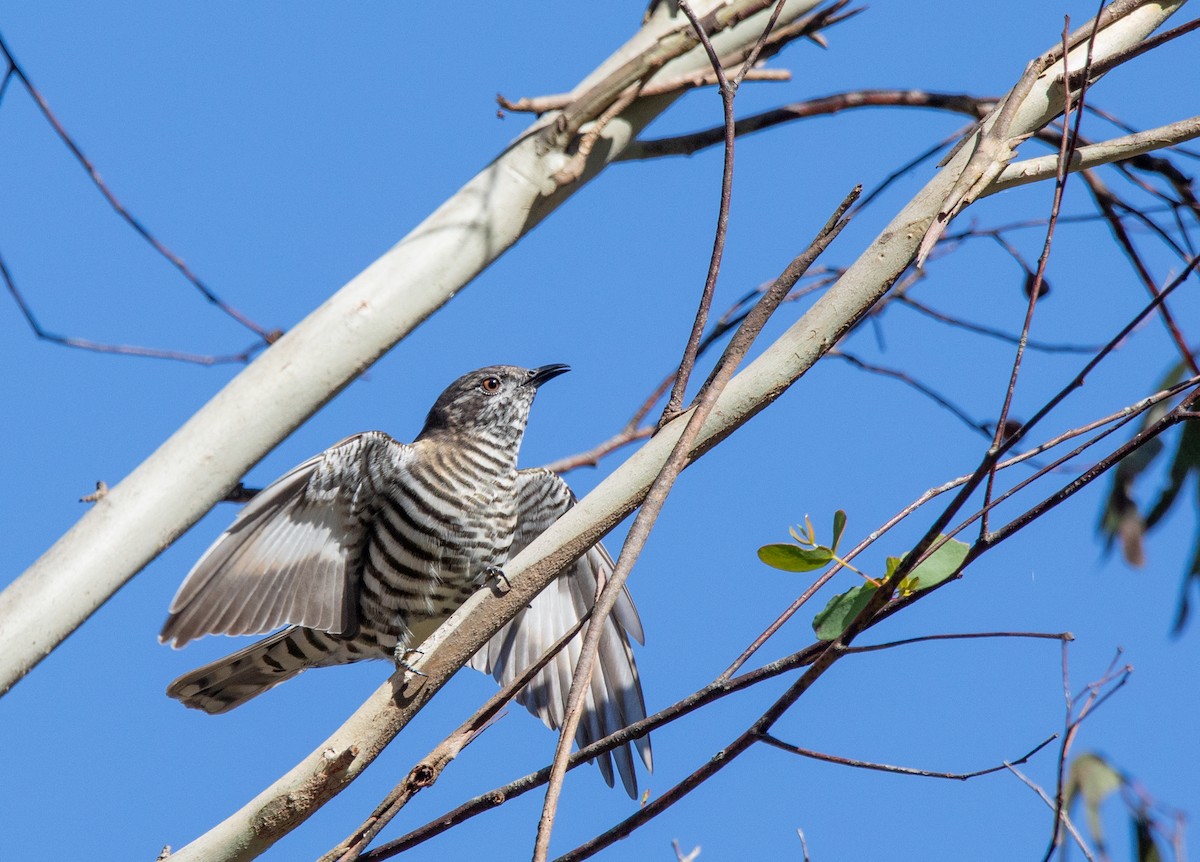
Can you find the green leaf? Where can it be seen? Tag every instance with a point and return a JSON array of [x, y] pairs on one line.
[[1095, 780], [1191, 578], [832, 621], [790, 558], [839, 524], [1187, 459], [1120, 518], [937, 567]]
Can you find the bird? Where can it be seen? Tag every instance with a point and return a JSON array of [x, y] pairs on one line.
[[362, 551]]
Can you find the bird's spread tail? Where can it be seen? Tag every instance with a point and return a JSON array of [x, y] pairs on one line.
[[229, 682]]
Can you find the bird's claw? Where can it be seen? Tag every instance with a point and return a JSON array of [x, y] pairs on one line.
[[493, 576], [401, 655]]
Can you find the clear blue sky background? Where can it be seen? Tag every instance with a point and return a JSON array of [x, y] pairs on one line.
[[280, 148]]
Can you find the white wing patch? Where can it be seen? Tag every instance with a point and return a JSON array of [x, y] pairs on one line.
[[288, 558], [614, 699]]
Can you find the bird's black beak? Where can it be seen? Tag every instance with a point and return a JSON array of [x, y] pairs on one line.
[[547, 372]]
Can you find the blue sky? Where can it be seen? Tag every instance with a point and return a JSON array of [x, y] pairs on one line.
[[280, 149]]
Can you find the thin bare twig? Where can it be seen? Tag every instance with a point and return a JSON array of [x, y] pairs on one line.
[[902, 770], [694, 142], [660, 488], [1066, 148], [1083, 848], [937, 398], [1105, 201], [1054, 636], [989, 331], [430, 767], [15, 69], [770, 39], [121, 349], [728, 92], [1093, 696]]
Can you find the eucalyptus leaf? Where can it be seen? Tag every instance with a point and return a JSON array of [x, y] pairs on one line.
[[836, 616], [937, 567], [839, 524], [791, 558], [1095, 780]]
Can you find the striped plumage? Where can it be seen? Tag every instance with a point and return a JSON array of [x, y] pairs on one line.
[[365, 549]]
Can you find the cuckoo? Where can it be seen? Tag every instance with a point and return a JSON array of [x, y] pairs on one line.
[[362, 551]]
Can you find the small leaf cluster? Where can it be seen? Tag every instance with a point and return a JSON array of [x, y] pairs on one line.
[[807, 554]]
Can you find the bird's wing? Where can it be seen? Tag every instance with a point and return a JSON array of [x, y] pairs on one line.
[[288, 557], [614, 699]]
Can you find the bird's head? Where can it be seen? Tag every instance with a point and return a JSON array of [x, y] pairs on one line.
[[493, 400]]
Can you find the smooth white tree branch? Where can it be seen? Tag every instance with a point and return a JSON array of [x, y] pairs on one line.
[[352, 747], [198, 464], [1093, 155]]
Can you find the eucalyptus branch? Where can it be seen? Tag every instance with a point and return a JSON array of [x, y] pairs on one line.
[[1114, 420], [430, 767], [1127, 147], [656, 496], [717, 689], [415, 285]]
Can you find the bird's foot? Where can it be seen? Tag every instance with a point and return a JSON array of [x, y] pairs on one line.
[[493, 576], [401, 655]]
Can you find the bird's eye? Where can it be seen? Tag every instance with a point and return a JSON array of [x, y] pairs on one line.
[[490, 385]]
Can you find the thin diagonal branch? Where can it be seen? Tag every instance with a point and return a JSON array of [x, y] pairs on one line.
[[121, 349], [430, 767], [902, 770], [660, 488], [722, 686], [694, 142], [728, 92], [1066, 147], [268, 336]]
